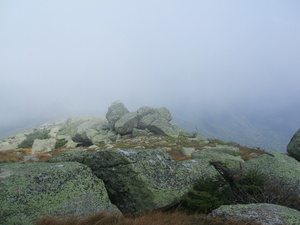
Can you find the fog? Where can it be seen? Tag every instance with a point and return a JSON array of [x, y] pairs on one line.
[[65, 58]]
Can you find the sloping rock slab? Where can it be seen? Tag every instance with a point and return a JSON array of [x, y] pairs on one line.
[[163, 127], [229, 160], [29, 191], [141, 180], [266, 214]]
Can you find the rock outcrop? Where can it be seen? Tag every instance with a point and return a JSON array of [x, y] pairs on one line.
[[293, 147], [146, 119], [266, 214], [96, 130], [29, 191], [141, 180]]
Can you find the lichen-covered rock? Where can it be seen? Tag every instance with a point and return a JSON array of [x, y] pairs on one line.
[[29, 191], [87, 130], [266, 214], [187, 151], [12, 143], [149, 114], [293, 147], [44, 145], [127, 123], [159, 112], [139, 132], [141, 180], [115, 111], [276, 165], [163, 127], [231, 150], [212, 155]]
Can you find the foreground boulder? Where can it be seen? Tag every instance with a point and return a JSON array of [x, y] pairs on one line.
[[266, 214], [141, 180], [277, 166], [293, 147], [29, 191]]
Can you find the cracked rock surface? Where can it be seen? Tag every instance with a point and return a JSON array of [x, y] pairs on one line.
[[141, 180]]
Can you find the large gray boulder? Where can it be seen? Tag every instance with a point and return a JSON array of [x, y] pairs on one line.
[[163, 127], [44, 145], [266, 214], [29, 191], [149, 114], [141, 180], [127, 123], [115, 111], [293, 147]]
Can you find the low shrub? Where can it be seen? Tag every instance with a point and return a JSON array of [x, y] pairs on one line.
[[235, 186], [36, 134], [60, 143], [205, 196]]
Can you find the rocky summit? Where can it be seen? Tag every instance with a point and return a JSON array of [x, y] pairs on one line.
[[131, 163], [95, 130]]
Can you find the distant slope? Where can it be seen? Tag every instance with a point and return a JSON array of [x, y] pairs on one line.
[[267, 132]]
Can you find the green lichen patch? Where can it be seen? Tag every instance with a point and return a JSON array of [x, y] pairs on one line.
[[140, 180], [267, 214], [60, 189]]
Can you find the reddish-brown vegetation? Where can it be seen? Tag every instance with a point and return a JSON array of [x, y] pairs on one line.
[[153, 218]]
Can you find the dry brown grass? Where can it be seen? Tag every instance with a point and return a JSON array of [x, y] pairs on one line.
[[178, 156], [43, 156], [25, 151], [10, 156], [153, 218]]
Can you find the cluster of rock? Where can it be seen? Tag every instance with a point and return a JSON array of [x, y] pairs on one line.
[[144, 121], [95, 130]]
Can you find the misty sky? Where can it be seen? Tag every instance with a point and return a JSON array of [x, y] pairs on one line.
[[71, 57]]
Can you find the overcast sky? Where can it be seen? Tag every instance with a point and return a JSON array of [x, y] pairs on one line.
[[70, 57]]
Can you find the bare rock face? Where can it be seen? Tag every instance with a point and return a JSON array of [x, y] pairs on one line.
[[293, 147], [115, 112], [266, 214]]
